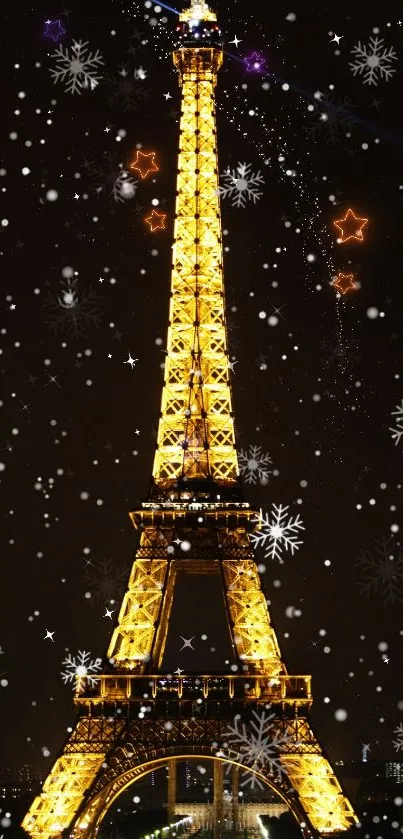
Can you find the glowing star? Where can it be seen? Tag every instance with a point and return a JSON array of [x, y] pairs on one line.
[[255, 62], [54, 30], [344, 283], [351, 226], [144, 163], [187, 642], [156, 220]]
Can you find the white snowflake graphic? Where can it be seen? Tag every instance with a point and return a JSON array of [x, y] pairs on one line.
[[127, 89], [241, 185], [277, 531], [256, 745], [398, 743], [331, 119], [78, 69], [397, 431], [373, 60], [383, 571], [80, 665], [110, 176], [72, 310], [124, 187], [105, 580], [253, 464]]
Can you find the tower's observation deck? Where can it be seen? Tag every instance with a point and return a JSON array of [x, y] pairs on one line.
[[196, 440]]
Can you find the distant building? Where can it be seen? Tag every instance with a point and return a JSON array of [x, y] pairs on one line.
[[394, 770], [22, 784], [372, 781]]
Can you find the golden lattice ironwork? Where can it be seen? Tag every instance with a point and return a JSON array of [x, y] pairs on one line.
[[196, 429], [195, 500]]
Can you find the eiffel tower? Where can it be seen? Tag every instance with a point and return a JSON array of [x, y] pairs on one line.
[[133, 718]]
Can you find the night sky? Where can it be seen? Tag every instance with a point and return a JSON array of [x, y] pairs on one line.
[[316, 376]]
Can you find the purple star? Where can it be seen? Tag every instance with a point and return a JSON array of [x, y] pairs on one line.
[[255, 63], [54, 30]]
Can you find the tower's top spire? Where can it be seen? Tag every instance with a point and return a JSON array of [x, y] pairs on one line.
[[198, 11]]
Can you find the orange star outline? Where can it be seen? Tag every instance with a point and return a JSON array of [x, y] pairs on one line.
[[143, 164], [344, 283], [156, 220], [351, 226]]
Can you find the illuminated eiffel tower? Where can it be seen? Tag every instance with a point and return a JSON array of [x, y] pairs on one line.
[[133, 719]]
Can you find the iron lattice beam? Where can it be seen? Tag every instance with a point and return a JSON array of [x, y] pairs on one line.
[[196, 438]]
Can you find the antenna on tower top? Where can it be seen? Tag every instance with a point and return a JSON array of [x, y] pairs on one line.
[[198, 10]]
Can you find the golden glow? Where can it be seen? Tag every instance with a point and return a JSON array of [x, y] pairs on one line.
[[197, 11], [351, 226], [144, 163], [156, 220], [344, 283], [196, 429]]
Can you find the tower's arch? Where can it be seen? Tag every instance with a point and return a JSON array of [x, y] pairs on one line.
[[129, 768]]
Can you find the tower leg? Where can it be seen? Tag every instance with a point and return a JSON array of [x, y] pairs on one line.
[[218, 798], [171, 790], [235, 799]]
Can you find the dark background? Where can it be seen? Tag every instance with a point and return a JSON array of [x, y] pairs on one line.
[[76, 433]]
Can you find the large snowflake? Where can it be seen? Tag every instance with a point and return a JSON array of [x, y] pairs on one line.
[[106, 581], [397, 431], [383, 571], [127, 89], [331, 119], [339, 351], [72, 310], [373, 60], [110, 177], [241, 185], [78, 69], [398, 743], [253, 464], [80, 665], [277, 531], [256, 745]]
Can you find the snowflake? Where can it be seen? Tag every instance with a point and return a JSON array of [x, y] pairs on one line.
[[331, 119], [339, 352], [258, 747], [276, 532], [383, 571], [80, 68], [371, 61], [398, 744], [124, 187], [397, 431], [72, 311], [105, 580], [254, 465], [241, 185], [127, 89], [109, 174], [80, 665]]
